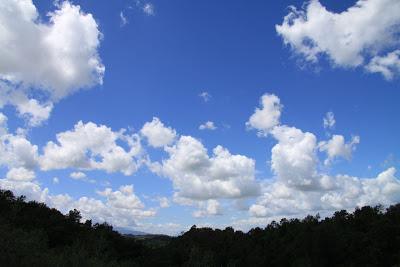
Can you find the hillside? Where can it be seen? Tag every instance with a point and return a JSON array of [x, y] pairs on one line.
[[33, 234]]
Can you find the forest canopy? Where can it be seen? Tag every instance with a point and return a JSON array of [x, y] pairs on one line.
[[33, 234]]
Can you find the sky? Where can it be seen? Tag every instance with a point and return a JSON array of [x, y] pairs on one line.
[[158, 115]]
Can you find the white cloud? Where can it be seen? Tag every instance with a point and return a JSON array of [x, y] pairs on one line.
[[157, 134], [388, 65], [294, 158], [52, 60], [20, 174], [352, 191], [279, 199], [208, 125], [92, 147], [30, 189], [300, 188], [337, 147], [205, 96], [258, 210], [121, 208], [265, 118], [3, 124], [15, 150], [196, 176], [148, 9], [122, 199], [56, 180], [77, 175], [123, 19], [329, 120], [164, 202], [350, 38], [30, 109], [345, 192], [210, 207]]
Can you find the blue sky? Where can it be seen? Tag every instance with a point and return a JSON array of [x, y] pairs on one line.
[[158, 61]]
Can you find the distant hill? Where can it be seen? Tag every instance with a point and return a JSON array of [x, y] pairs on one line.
[[32, 234], [128, 232]]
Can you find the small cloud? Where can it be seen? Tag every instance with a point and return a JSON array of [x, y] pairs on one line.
[[164, 202], [267, 116], [209, 208], [329, 120], [124, 20], [81, 177], [77, 175], [148, 9], [56, 180], [205, 95], [209, 125]]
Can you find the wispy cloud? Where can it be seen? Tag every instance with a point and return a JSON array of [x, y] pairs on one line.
[[148, 9], [329, 120], [123, 19], [205, 95]]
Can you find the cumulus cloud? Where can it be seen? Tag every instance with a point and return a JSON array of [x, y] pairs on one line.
[[388, 65], [122, 199], [42, 62], [337, 147], [362, 33], [329, 120], [208, 125], [92, 147], [200, 179], [267, 116], [121, 208], [164, 202], [157, 134], [20, 174], [335, 192], [197, 176], [349, 192], [15, 150], [293, 158], [30, 189], [300, 188], [28, 108], [210, 207]]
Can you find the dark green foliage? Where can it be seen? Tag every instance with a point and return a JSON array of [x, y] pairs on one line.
[[31, 234]]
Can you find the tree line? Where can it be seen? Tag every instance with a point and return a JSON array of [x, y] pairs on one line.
[[32, 234]]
